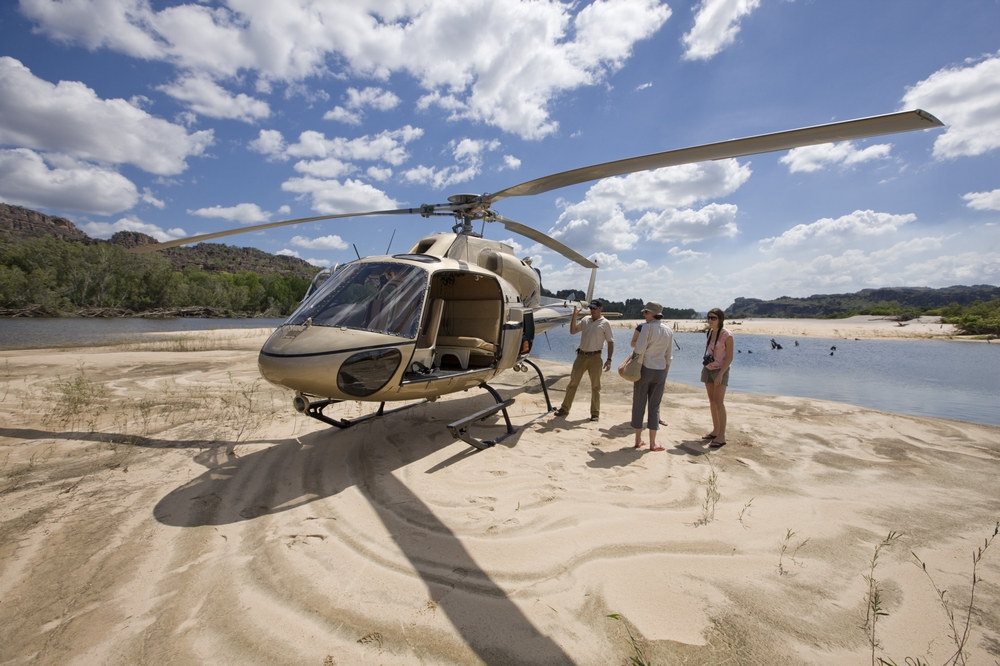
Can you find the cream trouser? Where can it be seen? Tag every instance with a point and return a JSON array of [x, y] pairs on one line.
[[593, 364]]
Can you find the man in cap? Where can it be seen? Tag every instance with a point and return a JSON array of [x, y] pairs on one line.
[[594, 331]]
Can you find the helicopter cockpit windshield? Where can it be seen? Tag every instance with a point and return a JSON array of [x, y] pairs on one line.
[[384, 297]]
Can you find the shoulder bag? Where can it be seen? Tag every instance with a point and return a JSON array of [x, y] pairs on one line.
[[631, 367]]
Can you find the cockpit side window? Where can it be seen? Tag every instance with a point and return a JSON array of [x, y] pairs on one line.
[[385, 297]]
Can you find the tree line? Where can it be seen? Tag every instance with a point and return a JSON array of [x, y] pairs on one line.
[[62, 277], [630, 308], [973, 310]]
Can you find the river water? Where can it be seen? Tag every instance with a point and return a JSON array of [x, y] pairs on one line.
[[947, 378], [957, 380], [35, 333]]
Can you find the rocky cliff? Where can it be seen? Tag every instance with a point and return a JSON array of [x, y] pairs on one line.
[[19, 222]]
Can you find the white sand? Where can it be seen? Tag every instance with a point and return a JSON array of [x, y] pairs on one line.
[[127, 536]]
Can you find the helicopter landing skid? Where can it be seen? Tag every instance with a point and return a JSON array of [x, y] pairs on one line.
[[315, 410], [460, 429]]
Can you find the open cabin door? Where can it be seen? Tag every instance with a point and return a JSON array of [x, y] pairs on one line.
[[461, 327], [519, 333]]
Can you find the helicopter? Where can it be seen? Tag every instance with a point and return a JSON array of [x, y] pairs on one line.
[[457, 309]]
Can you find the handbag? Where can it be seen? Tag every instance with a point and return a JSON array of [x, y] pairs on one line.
[[631, 367]]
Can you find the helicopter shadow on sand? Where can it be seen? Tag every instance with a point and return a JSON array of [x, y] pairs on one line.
[[120, 439], [365, 456], [308, 468]]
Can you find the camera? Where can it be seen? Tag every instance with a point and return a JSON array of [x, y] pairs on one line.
[[708, 358]]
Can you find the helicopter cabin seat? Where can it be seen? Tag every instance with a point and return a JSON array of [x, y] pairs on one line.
[[468, 333], [424, 353], [466, 350]]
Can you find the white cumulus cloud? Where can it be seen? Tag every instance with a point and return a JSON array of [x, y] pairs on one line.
[[967, 100], [70, 118], [387, 146], [983, 200], [270, 143], [610, 261], [845, 153], [26, 180], [716, 25], [330, 197], [206, 97], [376, 173], [342, 115], [689, 225], [244, 213], [323, 263], [686, 255], [468, 154], [131, 223], [507, 76], [860, 223], [321, 243], [357, 100], [147, 197], [664, 196], [331, 167], [910, 247]]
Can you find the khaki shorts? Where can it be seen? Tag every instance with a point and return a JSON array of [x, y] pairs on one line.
[[708, 376]]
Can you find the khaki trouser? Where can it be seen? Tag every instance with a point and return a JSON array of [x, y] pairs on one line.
[[592, 364]]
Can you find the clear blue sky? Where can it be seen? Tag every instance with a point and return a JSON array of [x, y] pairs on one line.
[[183, 118]]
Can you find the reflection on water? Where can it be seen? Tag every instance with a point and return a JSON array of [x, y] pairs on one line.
[[32, 333], [956, 380]]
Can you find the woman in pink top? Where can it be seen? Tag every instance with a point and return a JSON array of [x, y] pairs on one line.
[[715, 374]]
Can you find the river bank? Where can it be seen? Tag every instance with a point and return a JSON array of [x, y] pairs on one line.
[[194, 311]]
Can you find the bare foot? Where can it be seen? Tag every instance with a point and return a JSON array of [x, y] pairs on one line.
[[639, 445]]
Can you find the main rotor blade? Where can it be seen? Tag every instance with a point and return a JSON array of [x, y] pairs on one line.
[[156, 247], [546, 240], [891, 123]]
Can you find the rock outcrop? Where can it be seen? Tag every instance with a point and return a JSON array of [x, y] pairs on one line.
[[19, 222]]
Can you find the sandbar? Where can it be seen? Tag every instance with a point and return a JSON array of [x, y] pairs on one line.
[[128, 535], [859, 327]]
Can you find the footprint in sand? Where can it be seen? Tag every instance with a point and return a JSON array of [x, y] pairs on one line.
[[480, 500], [254, 511], [304, 539]]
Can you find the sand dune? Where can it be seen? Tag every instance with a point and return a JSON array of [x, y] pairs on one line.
[[127, 535]]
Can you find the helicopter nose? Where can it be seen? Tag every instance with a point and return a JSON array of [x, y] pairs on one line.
[[342, 364]]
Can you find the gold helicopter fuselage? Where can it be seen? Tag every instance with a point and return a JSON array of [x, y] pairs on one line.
[[448, 315]]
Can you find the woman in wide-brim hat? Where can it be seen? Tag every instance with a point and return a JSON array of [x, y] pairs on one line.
[[655, 342]]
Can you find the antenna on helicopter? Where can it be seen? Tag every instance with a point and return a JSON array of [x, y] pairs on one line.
[[356, 250], [590, 287], [390, 242]]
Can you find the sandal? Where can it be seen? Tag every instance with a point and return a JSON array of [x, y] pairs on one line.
[[710, 435], [639, 445], [657, 448], [716, 445]]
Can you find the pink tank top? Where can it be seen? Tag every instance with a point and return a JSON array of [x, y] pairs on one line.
[[718, 350]]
